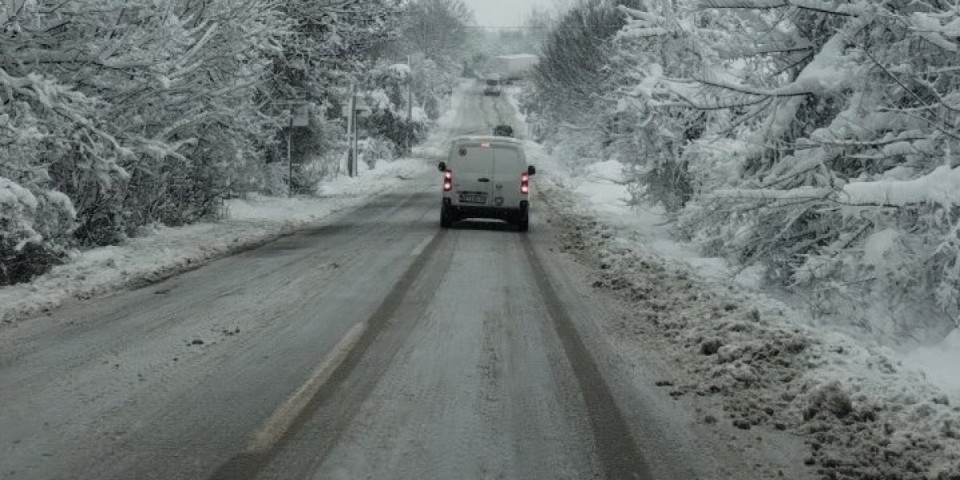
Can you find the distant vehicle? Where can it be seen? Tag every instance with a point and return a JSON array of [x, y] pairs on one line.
[[515, 67], [503, 131], [486, 177], [491, 85]]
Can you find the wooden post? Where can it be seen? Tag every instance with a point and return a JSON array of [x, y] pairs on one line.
[[356, 139], [290, 158], [351, 131]]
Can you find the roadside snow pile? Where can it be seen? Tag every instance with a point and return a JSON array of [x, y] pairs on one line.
[[605, 186], [939, 362], [162, 252], [601, 185], [862, 415], [384, 176]]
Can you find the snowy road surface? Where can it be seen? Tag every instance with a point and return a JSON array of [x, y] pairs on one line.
[[378, 346]]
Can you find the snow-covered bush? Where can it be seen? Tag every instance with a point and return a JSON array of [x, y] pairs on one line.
[[432, 84], [396, 128], [24, 252], [42, 122], [374, 149], [319, 168], [385, 95]]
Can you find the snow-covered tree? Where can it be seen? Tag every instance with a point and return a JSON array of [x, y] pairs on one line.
[[332, 48], [573, 59], [851, 111], [332, 44], [436, 28], [645, 127], [169, 87], [817, 138], [385, 93], [567, 105], [130, 112]]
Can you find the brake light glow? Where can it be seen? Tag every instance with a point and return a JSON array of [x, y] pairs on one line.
[[524, 184], [447, 181], [485, 145]]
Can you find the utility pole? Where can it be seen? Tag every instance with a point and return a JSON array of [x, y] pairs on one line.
[[290, 157], [351, 131], [409, 139], [356, 137], [410, 89]]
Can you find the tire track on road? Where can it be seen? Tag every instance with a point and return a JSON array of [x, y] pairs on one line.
[[616, 447], [387, 328]]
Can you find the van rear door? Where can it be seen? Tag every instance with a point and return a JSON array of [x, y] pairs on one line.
[[473, 174], [509, 164]]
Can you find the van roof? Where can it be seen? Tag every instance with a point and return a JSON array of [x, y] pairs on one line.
[[478, 139]]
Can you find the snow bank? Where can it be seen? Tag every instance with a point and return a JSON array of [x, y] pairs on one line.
[[648, 229], [939, 363], [604, 189], [19, 206], [161, 251], [877, 246], [861, 413]]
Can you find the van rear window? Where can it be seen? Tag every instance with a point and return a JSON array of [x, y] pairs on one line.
[[473, 159], [484, 151], [507, 155], [475, 152], [477, 158]]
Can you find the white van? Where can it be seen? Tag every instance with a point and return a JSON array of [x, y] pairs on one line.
[[486, 177]]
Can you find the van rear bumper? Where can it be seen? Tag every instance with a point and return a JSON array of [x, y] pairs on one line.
[[501, 213]]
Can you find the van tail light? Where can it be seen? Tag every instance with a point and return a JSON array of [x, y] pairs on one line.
[[447, 181], [524, 184]]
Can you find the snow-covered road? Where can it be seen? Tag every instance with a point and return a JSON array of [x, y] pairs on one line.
[[377, 345]]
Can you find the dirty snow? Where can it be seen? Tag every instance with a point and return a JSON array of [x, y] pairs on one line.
[[861, 412]]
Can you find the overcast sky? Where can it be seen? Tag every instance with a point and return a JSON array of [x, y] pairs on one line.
[[505, 13]]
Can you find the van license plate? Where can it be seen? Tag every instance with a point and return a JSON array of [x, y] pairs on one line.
[[473, 198]]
